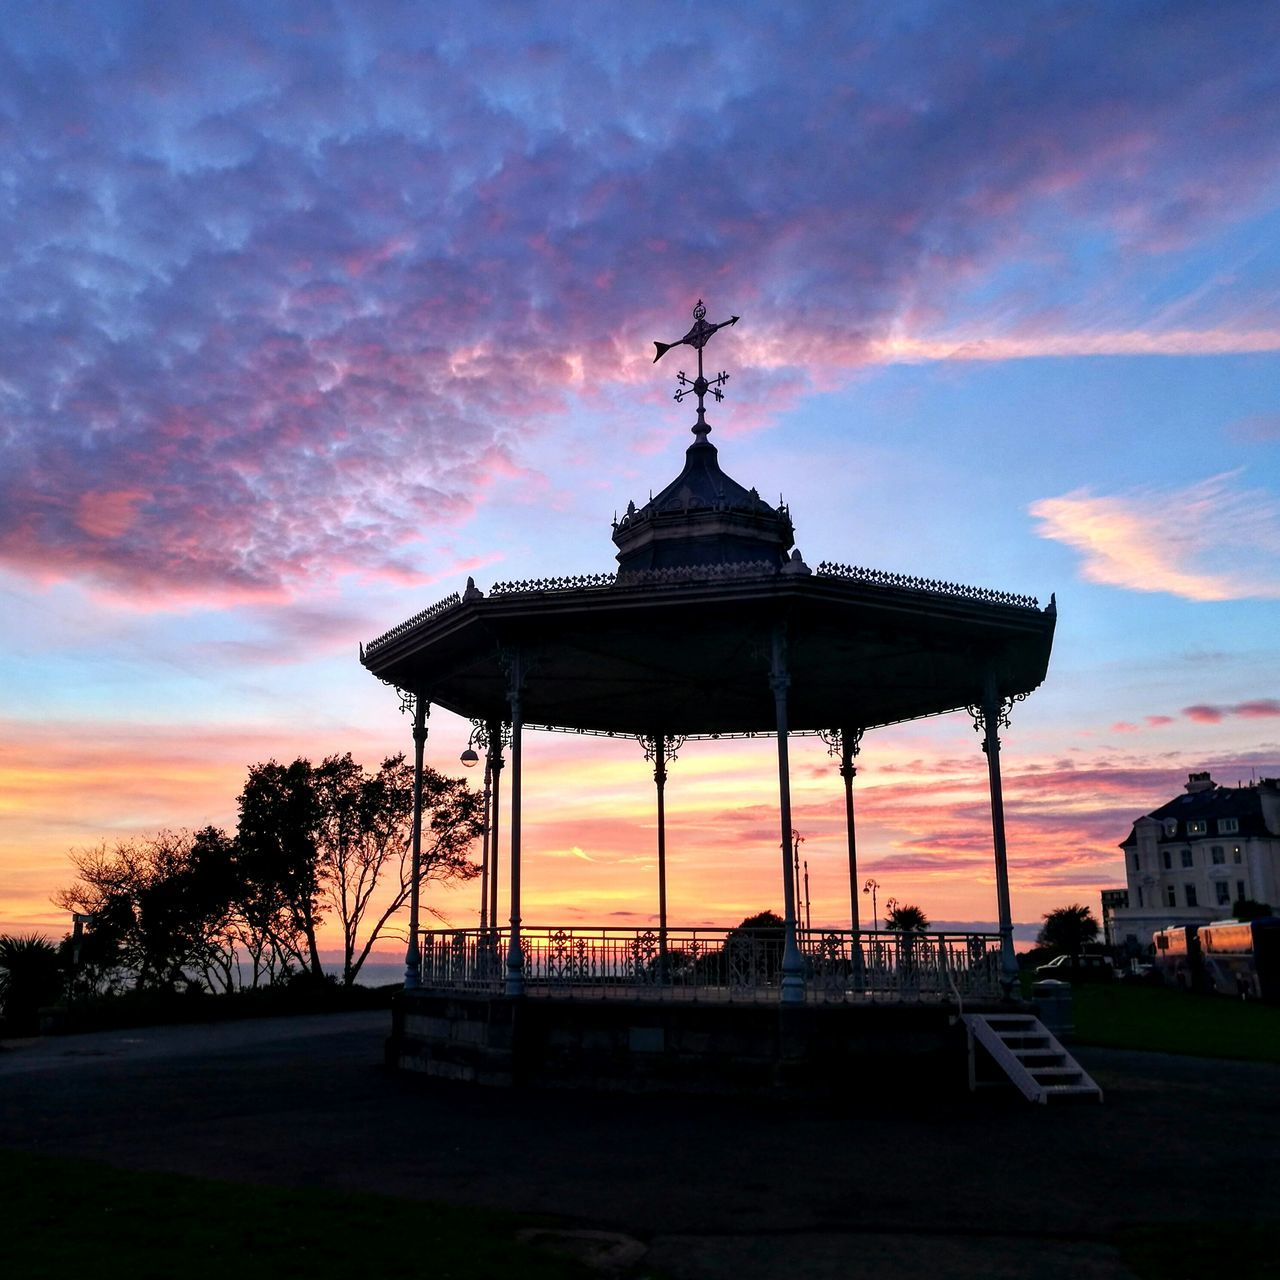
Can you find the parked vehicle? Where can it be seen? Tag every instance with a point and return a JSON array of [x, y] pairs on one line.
[[1229, 957], [1242, 958], [1086, 968], [1177, 956]]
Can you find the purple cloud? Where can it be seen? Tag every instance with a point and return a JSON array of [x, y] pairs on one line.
[[286, 289]]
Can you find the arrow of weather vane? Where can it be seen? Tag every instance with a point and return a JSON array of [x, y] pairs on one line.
[[697, 338]]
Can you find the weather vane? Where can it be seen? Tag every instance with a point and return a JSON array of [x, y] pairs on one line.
[[697, 338]]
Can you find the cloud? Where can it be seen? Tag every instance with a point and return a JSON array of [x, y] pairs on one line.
[[1257, 709], [1203, 714], [1206, 541], [284, 296]]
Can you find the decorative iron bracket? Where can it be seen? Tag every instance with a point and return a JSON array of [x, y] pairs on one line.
[[1003, 706], [671, 744]]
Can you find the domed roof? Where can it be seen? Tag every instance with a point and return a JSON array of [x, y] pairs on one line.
[[702, 517]]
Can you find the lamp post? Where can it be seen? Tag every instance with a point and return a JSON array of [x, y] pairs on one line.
[[469, 759], [796, 841], [871, 887]]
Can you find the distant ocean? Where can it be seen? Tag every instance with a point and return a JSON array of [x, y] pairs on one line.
[[379, 973], [379, 970]]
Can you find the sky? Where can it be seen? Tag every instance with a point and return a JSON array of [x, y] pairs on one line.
[[311, 311]]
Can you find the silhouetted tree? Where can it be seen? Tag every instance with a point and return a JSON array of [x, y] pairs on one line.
[[1066, 930], [752, 949], [159, 907], [30, 977], [363, 843], [906, 919], [279, 862], [173, 907]]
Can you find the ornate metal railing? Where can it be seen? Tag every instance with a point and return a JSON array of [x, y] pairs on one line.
[[882, 578], [570, 582], [450, 601], [709, 573], [717, 964], [638, 578]]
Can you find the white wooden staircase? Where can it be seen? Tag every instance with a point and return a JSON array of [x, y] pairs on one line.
[[1023, 1048]]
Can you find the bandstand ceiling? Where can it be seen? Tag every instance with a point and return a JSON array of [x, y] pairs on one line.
[[693, 657]]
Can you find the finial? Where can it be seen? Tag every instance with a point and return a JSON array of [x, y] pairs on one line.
[[796, 566], [697, 338]]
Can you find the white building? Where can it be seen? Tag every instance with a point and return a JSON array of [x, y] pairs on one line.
[[1189, 860]]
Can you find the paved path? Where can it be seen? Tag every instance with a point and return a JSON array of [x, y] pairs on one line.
[[948, 1186]]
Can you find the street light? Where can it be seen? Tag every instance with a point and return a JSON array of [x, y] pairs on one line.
[[469, 758], [871, 887]]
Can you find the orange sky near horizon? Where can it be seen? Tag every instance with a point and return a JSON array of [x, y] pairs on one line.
[[923, 820]]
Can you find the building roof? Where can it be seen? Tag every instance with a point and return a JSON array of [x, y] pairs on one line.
[[1206, 800], [687, 651], [705, 608], [702, 517]]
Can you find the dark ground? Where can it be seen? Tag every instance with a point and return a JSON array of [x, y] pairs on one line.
[[946, 1185]]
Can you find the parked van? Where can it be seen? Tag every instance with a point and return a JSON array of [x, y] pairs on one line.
[[1242, 958], [1177, 956]]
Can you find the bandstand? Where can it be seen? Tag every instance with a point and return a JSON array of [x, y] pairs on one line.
[[713, 626]]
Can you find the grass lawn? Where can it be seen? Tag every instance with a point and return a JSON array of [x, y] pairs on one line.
[[1133, 1015], [1199, 1249], [72, 1217]]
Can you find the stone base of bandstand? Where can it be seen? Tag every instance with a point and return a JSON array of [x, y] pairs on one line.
[[679, 1046]]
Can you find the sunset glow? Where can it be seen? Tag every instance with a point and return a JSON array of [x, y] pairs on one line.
[[313, 312]]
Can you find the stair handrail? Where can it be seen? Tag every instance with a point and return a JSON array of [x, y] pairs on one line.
[[959, 998]]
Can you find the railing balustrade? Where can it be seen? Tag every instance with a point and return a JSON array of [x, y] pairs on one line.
[[717, 964]]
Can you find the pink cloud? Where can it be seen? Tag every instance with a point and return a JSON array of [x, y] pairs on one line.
[[1258, 708], [1206, 541], [327, 287]]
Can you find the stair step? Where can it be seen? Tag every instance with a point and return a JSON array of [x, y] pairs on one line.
[[1030, 1056]]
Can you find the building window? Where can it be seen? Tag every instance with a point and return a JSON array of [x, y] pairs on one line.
[[1228, 826], [1140, 903], [1197, 826], [1172, 894], [1223, 890], [1168, 859], [1137, 866], [1235, 855], [1191, 895], [1219, 855], [1186, 857], [1240, 891]]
